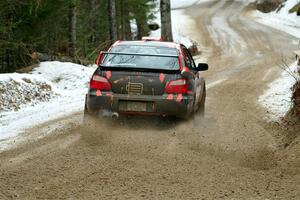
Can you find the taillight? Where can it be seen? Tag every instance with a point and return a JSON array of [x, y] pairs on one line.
[[100, 83], [179, 86]]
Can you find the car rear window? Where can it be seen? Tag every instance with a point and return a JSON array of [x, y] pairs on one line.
[[142, 61]]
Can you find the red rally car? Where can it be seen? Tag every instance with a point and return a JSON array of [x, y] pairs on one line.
[[146, 78]]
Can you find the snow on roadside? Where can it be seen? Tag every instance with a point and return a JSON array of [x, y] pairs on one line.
[[277, 99], [282, 19], [68, 83], [17, 90]]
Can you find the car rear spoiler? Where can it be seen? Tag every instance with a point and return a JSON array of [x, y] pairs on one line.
[[140, 54]]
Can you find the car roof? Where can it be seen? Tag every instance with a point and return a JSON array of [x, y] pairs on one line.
[[148, 43]]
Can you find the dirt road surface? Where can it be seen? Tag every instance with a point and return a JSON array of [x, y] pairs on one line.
[[233, 153]]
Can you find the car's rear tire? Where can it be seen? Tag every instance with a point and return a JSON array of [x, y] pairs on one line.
[[94, 117], [88, 118], [201, 110]]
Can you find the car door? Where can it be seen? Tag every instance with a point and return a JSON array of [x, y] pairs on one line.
[[192, 67]]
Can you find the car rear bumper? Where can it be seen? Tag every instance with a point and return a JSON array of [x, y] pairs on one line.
[[164, 105]]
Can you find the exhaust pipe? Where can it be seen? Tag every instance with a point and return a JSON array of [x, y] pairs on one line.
[[115, 115]]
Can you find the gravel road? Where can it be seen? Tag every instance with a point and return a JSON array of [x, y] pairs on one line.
[[233, 153]]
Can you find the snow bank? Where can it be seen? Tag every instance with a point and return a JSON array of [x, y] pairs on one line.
[[58, 88], [281, 19], [277, 99], [17, 90], [65, 77]]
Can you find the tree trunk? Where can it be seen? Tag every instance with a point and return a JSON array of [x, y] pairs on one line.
[[166, 25], [140, 28], [72, 29], [112, 20], [122, 19], [92, 21]]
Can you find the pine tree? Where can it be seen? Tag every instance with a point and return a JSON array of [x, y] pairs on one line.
[[76, 28]]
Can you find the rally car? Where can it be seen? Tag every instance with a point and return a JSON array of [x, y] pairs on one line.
[[146, 78]]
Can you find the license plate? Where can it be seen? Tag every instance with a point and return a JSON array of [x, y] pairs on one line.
[[135, 106]]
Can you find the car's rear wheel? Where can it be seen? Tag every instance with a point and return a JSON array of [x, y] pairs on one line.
[[94, 117], [201, 110], [88, 118]]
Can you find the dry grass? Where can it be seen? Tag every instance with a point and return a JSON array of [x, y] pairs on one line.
[[296, 99], [296, 94]]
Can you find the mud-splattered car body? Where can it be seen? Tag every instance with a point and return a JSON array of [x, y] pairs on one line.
[[146, 78]]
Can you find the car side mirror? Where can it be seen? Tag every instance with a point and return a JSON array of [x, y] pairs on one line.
[[202, 67]]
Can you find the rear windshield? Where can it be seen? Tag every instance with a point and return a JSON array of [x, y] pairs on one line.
[[142, 61]]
